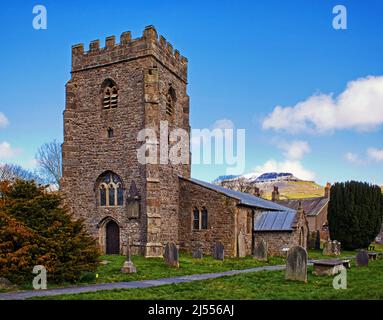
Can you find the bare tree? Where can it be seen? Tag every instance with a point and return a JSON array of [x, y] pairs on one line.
[[50, 162], [10, 172]]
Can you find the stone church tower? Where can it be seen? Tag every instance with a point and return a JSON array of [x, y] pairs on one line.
[[113, 94]]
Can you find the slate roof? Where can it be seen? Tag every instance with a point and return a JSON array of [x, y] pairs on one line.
[[275, 221], [244, 198], [275, 218], [311, 206]]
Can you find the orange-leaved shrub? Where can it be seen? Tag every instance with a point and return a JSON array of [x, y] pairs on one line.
[[35, 229]]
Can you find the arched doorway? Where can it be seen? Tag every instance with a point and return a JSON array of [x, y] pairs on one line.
[[112, 231]]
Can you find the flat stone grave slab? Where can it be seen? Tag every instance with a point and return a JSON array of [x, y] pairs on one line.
[[329, 267], [372, 255]]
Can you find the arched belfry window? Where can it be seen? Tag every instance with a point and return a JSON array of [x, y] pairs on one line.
[[110, 92], [110, 191], [170, 101]]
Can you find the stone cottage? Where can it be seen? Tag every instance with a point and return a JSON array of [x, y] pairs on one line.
[[116, 91]]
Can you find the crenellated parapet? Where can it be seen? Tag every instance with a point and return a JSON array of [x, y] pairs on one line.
[[129, 49]]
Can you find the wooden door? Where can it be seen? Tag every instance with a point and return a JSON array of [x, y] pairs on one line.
[[112, 238]]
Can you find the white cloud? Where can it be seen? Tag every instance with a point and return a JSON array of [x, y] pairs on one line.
[[223, 124], [3, 121], [6, 151], [292, 166], [359, 107], [375, 154], [353, 158], [294, 150]]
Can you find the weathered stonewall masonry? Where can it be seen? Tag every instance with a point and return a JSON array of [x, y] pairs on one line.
[[115, 92]]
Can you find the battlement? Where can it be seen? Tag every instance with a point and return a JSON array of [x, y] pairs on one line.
[[128, 49]]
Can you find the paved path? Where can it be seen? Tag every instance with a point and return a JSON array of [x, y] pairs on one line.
[[20, 295]]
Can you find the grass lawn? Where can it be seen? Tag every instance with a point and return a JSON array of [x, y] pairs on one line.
[[362, 283], [155, 268]]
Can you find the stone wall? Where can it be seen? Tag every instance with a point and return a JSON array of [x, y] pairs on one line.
[[222, 212], [277, 240]]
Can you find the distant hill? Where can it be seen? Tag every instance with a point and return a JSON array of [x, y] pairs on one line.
[[290, 187]]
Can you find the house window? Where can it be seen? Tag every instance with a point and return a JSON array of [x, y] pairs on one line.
[[110, 190], [170, 101], [110, 92], [200, 219]]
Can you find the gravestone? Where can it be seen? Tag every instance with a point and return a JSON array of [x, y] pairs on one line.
[[296, 264], [335, 248], [171, 255], [218, 251], [241, 244], [331, 248], [197, 254], [317, 240], [260, 250], [361, 259], [5, 283], [327, 248], [311, 240]]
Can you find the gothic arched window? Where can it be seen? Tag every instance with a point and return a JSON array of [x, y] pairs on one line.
[[110, 191], [110, 92], [170, 101]]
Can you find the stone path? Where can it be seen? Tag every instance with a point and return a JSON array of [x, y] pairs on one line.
[[129, 285]]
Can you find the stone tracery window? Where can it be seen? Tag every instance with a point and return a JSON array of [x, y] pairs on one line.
[[110, 95], [110, 190]]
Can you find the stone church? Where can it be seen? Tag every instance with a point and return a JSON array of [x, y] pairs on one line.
[[114, 92]]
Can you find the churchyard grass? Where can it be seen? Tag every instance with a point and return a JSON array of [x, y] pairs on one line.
[[362, 283], [155, 268]]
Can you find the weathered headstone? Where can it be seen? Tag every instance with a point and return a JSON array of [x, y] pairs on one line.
[[241, 244], [296, 264], [197, 254], [361, 259], [331, 248], [128, 266], [260, 250], [311, 241], [327, 248], [218, 251], [171, 255], [317, 240], [335, 248], [5, 283]]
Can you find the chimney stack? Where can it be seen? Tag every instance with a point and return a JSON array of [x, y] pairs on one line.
[[327, 190], [275, 194]]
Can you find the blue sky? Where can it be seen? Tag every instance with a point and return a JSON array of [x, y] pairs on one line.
[[245, 58]]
